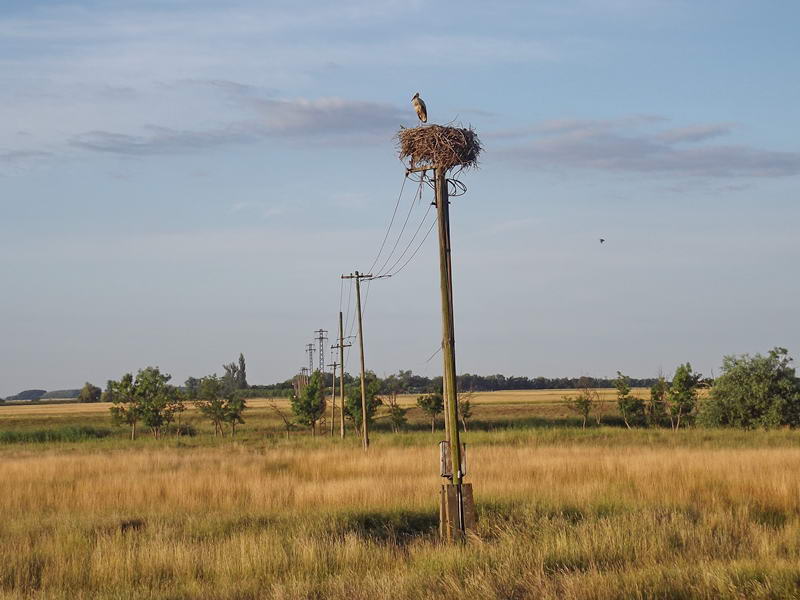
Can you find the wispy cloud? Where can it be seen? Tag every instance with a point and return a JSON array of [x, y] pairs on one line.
[[298, 118], [695, 133], [16, 156], [328, 116], [16, 161], [630, 144], [158, 140]]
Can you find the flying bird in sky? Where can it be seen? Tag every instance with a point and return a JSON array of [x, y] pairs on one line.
[[419, 106], [602, 240]]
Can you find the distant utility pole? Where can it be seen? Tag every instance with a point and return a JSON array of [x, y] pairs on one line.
[[310, 351], [333, 366], [321, 339], [341, 346], [364, 427]]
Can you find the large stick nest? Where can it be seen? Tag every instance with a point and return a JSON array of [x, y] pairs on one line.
[[438, 146]]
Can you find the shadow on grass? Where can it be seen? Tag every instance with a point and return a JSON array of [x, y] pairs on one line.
[[489, 425], [395, 527]]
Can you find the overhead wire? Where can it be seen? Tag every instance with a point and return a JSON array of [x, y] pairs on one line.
[[430, 358], [349, 300], [351, 318], [402, 230], [455, 188], [416, 251], [391, 222], [387, 272]]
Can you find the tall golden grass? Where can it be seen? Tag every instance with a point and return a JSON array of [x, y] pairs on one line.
[[326, 520]]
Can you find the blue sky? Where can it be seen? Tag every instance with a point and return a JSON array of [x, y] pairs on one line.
[[183, 181]]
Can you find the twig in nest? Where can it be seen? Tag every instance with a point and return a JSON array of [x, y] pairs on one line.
[[438, 146]]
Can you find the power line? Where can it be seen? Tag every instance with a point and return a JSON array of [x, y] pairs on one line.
[[402, 231], [430, 358], [410, 242], [349, 299], [389, 229], [410, 258], [366, 297]]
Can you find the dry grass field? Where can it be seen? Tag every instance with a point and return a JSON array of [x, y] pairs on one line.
[[563, 512]]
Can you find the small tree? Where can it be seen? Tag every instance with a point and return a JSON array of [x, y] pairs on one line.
[[309, 405], [397, 414], [585, 401], [210, 401], [630, 407], [352, 399], [397, 417], [125, 409], [235, 377], [657, 406], [108, 393], [159, 402], [754, 391], [234, 408], [241, 375], [432, 405], [288, 424], [89, 393], [682, 395], [390, 387]]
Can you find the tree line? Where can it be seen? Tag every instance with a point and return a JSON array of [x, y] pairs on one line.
[[149, 399], [751, 392], [408, 382]]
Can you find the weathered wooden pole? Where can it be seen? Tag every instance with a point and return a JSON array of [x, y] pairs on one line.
[[333, 366], [364, 425], [448, 333], [446, 411], [341, 375]]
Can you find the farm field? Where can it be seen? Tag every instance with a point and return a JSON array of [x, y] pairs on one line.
[[563, 512], [489, 408]]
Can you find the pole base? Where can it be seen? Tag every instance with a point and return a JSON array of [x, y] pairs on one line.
[[450, 519]]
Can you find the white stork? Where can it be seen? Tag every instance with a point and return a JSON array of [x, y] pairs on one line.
[[419, 106]]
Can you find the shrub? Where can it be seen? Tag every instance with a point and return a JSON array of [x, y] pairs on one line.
[[754, 391]]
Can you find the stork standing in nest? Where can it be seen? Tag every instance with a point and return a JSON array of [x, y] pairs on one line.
[[419, 106]]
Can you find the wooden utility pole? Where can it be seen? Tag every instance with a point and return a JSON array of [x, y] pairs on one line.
[[448, 336], [333, 366], [446, 411], [364, 426], [341, 346]]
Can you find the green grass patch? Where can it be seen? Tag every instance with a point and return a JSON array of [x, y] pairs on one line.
[[72, 433]]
